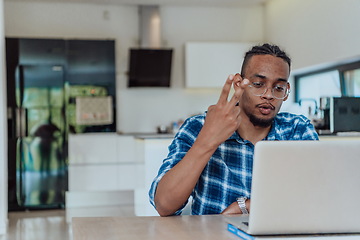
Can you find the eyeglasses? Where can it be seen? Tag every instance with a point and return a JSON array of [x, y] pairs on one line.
[[279, 91]]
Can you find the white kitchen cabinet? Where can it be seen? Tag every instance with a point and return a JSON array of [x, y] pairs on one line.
[[92, 148], [102, 166], [106, 177], [107, 170], [93, 177], [154, 151], [208, 64], [103, 162]]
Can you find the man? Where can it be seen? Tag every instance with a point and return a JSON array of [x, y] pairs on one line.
[[211, 156]]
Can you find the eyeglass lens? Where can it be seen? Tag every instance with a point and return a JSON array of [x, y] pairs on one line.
[[279, 91]]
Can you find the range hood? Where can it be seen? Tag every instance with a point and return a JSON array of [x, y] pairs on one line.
[[150, 27], [150, 64]]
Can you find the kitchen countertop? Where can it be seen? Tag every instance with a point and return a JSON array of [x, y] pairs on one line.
[[155, 136], [340, 134], [148, 135], [135, 135]]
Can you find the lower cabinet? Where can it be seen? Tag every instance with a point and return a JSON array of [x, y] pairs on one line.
[[105, 177], [154, 152], [109, 173]]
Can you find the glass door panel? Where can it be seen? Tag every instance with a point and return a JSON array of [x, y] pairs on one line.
[[41, 153]]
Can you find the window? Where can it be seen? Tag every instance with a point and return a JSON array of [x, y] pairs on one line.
[[352, 83], [319, 85], [338, 80]]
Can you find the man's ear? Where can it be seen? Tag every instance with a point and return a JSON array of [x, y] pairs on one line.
[[237, 80], [288, 93]]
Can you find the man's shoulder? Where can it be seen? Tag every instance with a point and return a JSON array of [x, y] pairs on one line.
[[192, 125], [196, 119], [289, 126], [291, 118]]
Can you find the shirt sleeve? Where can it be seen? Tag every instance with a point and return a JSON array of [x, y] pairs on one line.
[[181, 144], [304, 129], [310, 133], [288, 126]]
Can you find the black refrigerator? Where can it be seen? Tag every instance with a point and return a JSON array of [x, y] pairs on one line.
[[44, 78]]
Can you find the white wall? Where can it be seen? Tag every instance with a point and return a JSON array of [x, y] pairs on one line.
[[314, 31], [3, 130], [140, 110]]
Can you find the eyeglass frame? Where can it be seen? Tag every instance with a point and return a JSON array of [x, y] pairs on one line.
[[251, 85]]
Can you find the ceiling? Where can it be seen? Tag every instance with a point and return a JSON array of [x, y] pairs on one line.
[[202, 3]]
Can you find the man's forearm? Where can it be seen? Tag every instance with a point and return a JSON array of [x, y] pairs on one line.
[[176, 186]]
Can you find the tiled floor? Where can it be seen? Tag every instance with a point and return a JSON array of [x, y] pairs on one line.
[[45, 225]]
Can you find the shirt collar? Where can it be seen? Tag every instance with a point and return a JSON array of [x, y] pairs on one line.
[[235, 136], [275, 131]]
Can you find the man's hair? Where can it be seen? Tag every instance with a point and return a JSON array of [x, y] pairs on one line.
[[265, 49]]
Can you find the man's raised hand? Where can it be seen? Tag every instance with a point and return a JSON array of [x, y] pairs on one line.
[[223, 118]]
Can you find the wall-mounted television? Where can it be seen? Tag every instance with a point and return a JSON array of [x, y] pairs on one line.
[[150, 67]]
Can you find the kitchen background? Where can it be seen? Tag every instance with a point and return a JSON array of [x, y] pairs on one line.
[[313, 32]]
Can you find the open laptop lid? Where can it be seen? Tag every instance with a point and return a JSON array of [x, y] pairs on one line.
[[301, 187]]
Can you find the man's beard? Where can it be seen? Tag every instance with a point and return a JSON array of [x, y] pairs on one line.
[[257, 122]]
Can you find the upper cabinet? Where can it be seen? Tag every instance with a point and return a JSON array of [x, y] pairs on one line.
[[208, 64]]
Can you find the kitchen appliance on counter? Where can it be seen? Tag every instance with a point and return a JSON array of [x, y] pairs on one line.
[[324, 114], [339, 114]]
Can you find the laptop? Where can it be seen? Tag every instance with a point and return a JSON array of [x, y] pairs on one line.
[[303, 187]]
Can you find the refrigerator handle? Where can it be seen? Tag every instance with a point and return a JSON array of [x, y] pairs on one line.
[[25, 123], [21, 113], [21, 123], [18, 122], [20, 176]]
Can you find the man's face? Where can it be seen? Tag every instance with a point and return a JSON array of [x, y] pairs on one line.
[[270, 71]]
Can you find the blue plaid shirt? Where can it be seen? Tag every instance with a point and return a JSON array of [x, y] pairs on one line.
[[228, 173]]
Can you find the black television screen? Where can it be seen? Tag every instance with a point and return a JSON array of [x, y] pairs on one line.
[[150, 67]]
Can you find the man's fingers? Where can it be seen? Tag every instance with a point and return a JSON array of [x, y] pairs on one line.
[[238, 92], [226, 89], [245, 83], [235, 98]]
